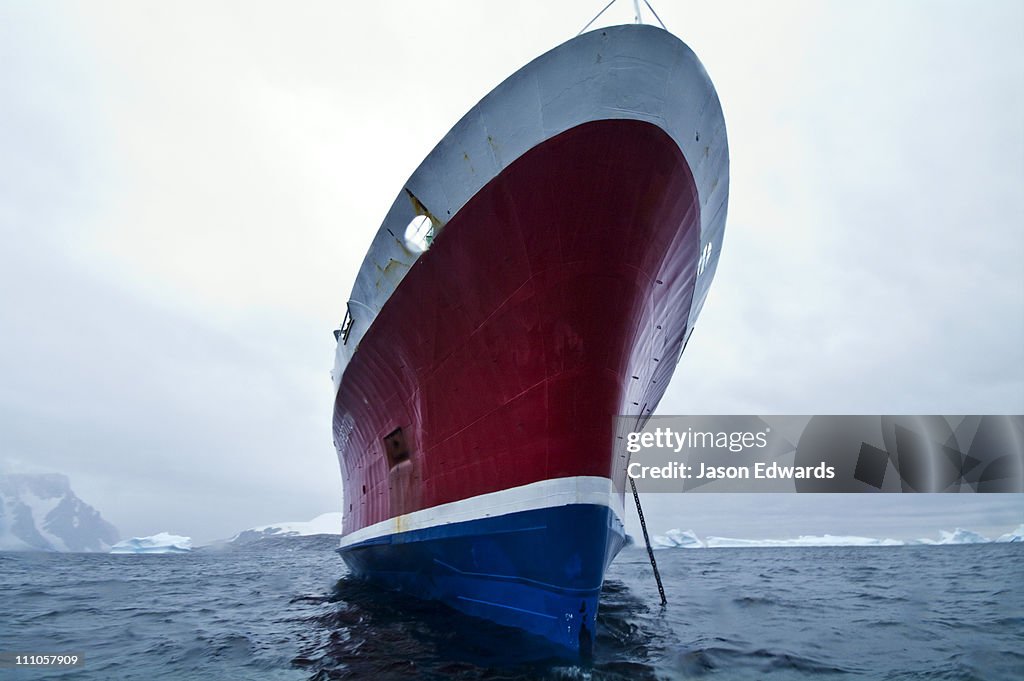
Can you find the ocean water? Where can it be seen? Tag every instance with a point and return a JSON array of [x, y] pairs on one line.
[[286, 609]]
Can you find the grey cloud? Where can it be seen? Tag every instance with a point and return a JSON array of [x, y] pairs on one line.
[[183, 205]]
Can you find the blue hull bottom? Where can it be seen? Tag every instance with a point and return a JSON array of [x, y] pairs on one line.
[[540, 570]]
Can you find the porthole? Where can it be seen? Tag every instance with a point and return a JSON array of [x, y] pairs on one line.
[[419, 233]]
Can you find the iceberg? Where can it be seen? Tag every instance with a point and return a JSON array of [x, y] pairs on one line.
[[677, 539], [1015, 536], [158, 543], [803, 540], [688, 539], [326, 523], [958, 536]]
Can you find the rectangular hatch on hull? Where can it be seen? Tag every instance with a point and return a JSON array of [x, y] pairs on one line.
[[396, 448]]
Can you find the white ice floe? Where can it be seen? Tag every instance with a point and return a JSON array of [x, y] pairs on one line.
[[158, 543]]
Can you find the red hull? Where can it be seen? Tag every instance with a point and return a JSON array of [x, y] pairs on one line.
[[557, 297]]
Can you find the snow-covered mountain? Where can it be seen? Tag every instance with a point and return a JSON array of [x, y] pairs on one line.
[[328, 523], [42, 513]]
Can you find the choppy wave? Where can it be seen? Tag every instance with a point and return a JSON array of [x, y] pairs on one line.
[[285, 609]]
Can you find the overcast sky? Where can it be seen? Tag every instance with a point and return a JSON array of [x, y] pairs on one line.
[[187, 190]]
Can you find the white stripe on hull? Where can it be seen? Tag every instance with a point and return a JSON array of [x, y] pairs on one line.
[[544, 494]]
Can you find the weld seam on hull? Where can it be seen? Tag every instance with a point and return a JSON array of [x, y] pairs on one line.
[[508, 607], [590, 590]]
